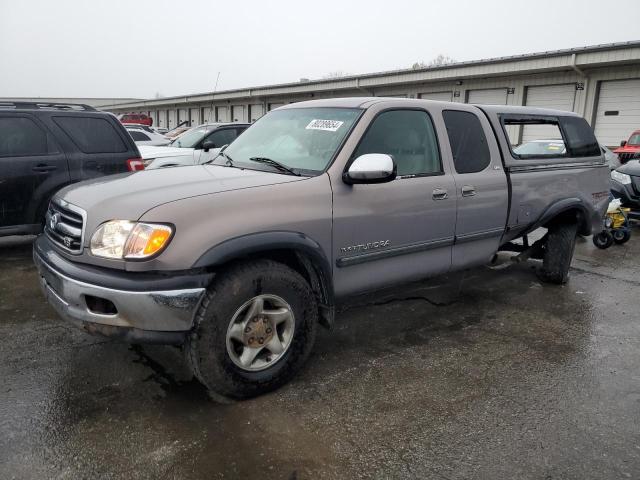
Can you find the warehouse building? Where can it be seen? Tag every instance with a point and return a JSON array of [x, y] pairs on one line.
[[601, 83]]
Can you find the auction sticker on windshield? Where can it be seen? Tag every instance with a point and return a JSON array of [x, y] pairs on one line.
[[326, 125]]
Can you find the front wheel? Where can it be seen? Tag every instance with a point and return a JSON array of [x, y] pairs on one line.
[[254, 330], [558, 252]]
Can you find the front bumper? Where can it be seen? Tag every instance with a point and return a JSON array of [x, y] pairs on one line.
[[147, 316]]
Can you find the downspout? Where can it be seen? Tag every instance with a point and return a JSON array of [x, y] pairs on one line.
[[575, 67]]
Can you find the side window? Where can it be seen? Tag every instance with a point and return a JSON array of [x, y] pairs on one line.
[[20, 136], [468, 141], [139, 136], [92, 135], [408, 136], [222, 137], [534, 136], [580, 138]]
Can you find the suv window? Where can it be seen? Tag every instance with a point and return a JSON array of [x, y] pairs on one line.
[[139, 136], [408, 136], [467, 140], [222, 137], [92, 135], [20, 136]]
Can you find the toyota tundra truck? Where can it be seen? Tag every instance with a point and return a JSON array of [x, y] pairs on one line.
[[239, 260]]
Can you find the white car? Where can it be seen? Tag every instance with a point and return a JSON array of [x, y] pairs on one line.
[[197, 145], [145, 136]]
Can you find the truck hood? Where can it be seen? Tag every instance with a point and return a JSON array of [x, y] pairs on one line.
[[148, 151], [630, 168], [128, 196]]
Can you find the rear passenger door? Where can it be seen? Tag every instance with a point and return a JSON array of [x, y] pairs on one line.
[[481, 187], [32, 167]]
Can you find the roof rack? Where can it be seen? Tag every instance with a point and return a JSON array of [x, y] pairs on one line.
[[46, 106]]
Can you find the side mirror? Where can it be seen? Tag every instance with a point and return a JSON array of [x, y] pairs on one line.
[[623, 143], [208, 145], [371, 168]]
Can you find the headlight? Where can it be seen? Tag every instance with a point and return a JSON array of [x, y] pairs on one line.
[[622, 178], [130, 240]]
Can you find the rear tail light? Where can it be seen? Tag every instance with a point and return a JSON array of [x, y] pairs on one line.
[[135, 164]]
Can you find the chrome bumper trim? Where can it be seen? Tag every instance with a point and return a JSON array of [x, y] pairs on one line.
[[170, 310]]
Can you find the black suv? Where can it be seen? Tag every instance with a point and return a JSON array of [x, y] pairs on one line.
[[44, 147]]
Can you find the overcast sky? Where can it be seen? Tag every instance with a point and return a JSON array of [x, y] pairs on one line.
[[126, 48]]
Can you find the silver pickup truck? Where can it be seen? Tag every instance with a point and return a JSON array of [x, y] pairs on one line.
[[239, 260]]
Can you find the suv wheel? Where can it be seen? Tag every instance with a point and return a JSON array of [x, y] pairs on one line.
[[254, 330], [558, 252]]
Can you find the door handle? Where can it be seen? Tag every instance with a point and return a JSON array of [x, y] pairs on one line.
[[439, 194], [44, 168], [468, 190]]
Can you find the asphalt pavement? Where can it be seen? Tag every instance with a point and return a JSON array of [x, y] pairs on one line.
[[488, 374]]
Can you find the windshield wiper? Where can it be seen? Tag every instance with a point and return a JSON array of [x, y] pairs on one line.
[[277, 165]]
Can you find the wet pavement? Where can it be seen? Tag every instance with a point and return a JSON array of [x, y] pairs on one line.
[[489, 374]]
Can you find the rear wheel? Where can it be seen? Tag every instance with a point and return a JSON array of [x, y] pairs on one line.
[[603, 240], [558, 252], [254, 330], [621, 235]]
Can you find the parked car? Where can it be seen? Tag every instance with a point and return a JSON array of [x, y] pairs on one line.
[[629, 149], [140, 118], [44, 147], [199, 145], [239, 260], [625, 184], [556, 146], [144, 137]]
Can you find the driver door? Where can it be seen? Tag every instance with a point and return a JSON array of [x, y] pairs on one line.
[[401, 230]]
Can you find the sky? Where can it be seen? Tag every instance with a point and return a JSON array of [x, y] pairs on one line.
[[141, 48]]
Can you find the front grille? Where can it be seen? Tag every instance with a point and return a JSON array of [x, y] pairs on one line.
[[64, 225], [625, 157]]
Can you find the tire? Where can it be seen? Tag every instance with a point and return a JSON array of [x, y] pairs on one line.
[[213, 354], [621, 235], [603, 240], [558, 252]]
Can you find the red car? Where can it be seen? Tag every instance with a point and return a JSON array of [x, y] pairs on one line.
[[629, 149], [139, 118]]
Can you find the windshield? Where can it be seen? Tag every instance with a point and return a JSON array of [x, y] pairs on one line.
[[554, 147], [634, 140], [301, 139], [191, 138]]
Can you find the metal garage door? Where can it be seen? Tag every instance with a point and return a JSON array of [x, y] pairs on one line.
[[162, 118], [558, 97], [172, 119], [273, 106], [183, 115], [195, 116], [489, 96], [238, 113], [618, 112], [222, 114], [440, 96], [208, 115], [255, 112]]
